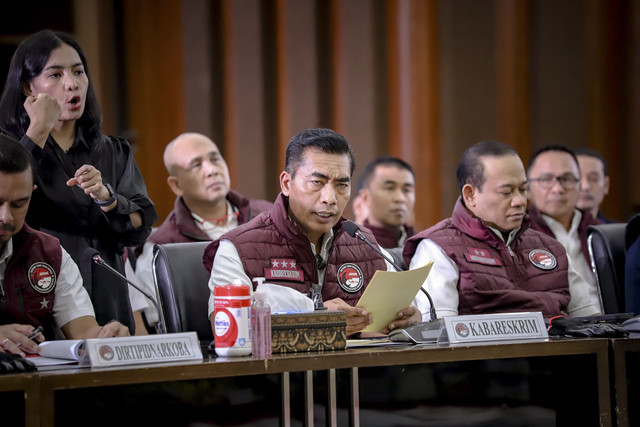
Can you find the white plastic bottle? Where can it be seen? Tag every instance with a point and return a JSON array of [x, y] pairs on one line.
[[260, 326], [232, 319]]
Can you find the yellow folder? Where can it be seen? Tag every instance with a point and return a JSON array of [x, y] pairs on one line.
[[389, 292]]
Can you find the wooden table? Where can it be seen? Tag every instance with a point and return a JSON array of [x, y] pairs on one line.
[[352, 387], [625, 359]]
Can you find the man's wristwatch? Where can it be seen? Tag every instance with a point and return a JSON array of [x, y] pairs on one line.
[[110, 200]]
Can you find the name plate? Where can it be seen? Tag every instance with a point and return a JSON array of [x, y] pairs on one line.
[[493, 327], [119, 351]]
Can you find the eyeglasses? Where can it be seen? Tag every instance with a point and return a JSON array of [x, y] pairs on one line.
[[567, 181]]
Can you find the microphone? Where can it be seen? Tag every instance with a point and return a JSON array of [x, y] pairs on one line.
[[101, 262], [354, 231]]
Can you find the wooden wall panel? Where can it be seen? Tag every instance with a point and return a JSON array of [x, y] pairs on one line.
[[420, 79], [605, 91], [334, 32], [297, 102], [632, 112], [558, 73], [355, 77], [154, 91], [282, 102], [414, 95], [197, 66], [512, 54], [89, 36], [243, 85], [468, 94]]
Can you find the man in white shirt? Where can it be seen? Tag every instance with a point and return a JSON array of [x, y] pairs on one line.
[[300, 243], [205, 208], [554, 177], [40, 285], [486, 258]]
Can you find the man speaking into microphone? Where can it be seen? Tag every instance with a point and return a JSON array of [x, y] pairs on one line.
[[300, 243]]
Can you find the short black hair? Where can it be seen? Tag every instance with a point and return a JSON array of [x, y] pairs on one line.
[[551, 147], [470, 168], [367, 174], [321, 139], [14, 157], [585, 151]]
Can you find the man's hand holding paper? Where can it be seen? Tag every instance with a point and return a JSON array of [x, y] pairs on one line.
[[388, 299], [405, 317], [357, 318]]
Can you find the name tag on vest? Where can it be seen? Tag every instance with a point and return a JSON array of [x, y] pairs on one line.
[[481, 256], [119, 351], [284, 269], [493, 327]]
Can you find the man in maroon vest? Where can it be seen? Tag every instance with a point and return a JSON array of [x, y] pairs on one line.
[[387, 195], [300, 243], [554, 176], [205, 209], [486, 258], [40, 285]]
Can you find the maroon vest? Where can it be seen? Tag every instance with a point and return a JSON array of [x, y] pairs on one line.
[[272, 238], [30, 281], [387, 238], [539, 224], [180, 227], [495, 277]]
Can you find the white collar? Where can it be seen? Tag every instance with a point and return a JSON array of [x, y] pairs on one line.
[[512, 234], [557, 227], [327, 238], [7, 252], [230, 209]]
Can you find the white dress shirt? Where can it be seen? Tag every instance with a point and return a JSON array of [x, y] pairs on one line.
[[571, 242], [227, 268]]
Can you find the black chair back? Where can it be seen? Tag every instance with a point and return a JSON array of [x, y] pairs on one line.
[[182, 287], [607, 252]]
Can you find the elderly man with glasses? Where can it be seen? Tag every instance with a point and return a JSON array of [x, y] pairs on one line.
[[554, 178]]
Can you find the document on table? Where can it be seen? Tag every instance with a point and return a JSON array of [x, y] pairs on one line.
[[61, 352], [373, 342], [389, 292]]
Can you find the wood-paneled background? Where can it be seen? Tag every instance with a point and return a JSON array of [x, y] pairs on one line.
[[419, 79]]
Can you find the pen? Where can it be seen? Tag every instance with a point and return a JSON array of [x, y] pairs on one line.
[[32, 336]]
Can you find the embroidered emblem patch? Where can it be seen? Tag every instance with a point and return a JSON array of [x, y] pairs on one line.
[[106, 352], [42, 278], [542, 259], [462, 330], [283, 269], [481, 256], [350, 278]]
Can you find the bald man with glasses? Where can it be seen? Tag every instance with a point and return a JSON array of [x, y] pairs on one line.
[[554, 190]]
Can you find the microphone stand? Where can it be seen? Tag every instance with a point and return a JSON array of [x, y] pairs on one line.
[[362, 237], [432, 310], [101, 262], [422, 332]]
